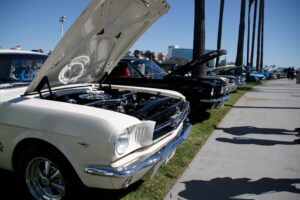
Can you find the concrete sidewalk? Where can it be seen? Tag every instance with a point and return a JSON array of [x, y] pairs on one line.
[[252, 154]]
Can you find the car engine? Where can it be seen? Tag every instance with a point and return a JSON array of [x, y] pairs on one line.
[[166, 111]]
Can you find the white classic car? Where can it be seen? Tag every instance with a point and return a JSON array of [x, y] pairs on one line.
[[68, 129]]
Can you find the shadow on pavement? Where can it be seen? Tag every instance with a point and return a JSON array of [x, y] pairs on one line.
[[282, 88], [267, 107], [227, 188], [280, 85], [10, 189], [244, 130], [273, 91], [262, 142]]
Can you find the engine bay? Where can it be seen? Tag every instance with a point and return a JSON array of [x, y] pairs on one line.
[[144, 106]]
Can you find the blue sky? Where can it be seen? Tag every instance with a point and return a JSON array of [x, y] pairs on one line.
[[34, 24]]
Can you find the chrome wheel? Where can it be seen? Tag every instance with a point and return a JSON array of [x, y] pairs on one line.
[[44, 180]]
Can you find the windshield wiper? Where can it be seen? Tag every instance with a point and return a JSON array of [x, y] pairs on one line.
[[12, 85], [7, 80], [10, 82]]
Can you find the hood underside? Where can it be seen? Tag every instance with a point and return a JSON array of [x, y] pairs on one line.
[[181, 71], [97, 40]]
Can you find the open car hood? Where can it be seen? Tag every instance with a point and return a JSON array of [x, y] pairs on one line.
[[97, 40], [195, 63], [222, 68]]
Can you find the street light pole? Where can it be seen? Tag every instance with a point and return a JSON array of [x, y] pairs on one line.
[[62, 19]]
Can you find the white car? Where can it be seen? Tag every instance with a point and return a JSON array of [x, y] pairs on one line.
[[67, 129]]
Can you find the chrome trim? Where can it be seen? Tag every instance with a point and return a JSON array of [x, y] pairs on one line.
[[150, 161], [241, 84], [218, 100], [174, 121], [179, 117], [44, 180]]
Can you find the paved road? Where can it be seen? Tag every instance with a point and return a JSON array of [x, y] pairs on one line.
[[252, 154]]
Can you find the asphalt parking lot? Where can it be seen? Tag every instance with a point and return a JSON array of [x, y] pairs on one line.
[[254, 152]]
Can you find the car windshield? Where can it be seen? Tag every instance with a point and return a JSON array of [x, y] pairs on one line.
[[19, 69], [149, 69]]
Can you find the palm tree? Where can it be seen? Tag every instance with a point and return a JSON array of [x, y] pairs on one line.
[[240, 46], [262, 36], [258, 37], [253, 33], [199, 37], [220, 29], [248, 35]]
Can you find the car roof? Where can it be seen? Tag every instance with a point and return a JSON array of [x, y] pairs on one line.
[[14, 51], [130, 58]]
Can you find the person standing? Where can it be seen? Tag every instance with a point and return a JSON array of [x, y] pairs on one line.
[[298, 76], [292, 73], [149, 55], [288, 73], [137, 54]]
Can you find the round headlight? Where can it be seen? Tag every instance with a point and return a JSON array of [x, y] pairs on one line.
[[122, 142]]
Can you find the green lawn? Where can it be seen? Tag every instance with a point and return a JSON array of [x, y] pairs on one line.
[[167, 175]]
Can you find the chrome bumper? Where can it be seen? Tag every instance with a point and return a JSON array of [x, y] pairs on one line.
[[218, 100], [241, 85], [143, 166], [232, 87]]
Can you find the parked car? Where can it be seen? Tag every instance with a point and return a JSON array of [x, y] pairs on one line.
[[233, 72], [68, 129], [18, 67], [169, 67], [253, 77], [231, 84], [202, 93], [258, 74], [231, 81]]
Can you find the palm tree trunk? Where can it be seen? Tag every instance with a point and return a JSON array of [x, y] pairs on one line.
[[253, 33], [199, 37], [262, 36], [220, 29], [248, 34], [240, 46], [259, 37]]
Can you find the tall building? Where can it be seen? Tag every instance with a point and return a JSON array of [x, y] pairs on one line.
[[170, 50], [176, 51]]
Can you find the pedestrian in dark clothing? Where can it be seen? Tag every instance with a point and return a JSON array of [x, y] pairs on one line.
[[292, 73], [288, 74]]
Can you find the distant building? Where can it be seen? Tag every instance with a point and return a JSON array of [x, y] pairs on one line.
[[170, 50], [176, 51], [183, 53]]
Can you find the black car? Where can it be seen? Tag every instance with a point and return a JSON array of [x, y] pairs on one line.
[[202, 93], [169, 67]]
